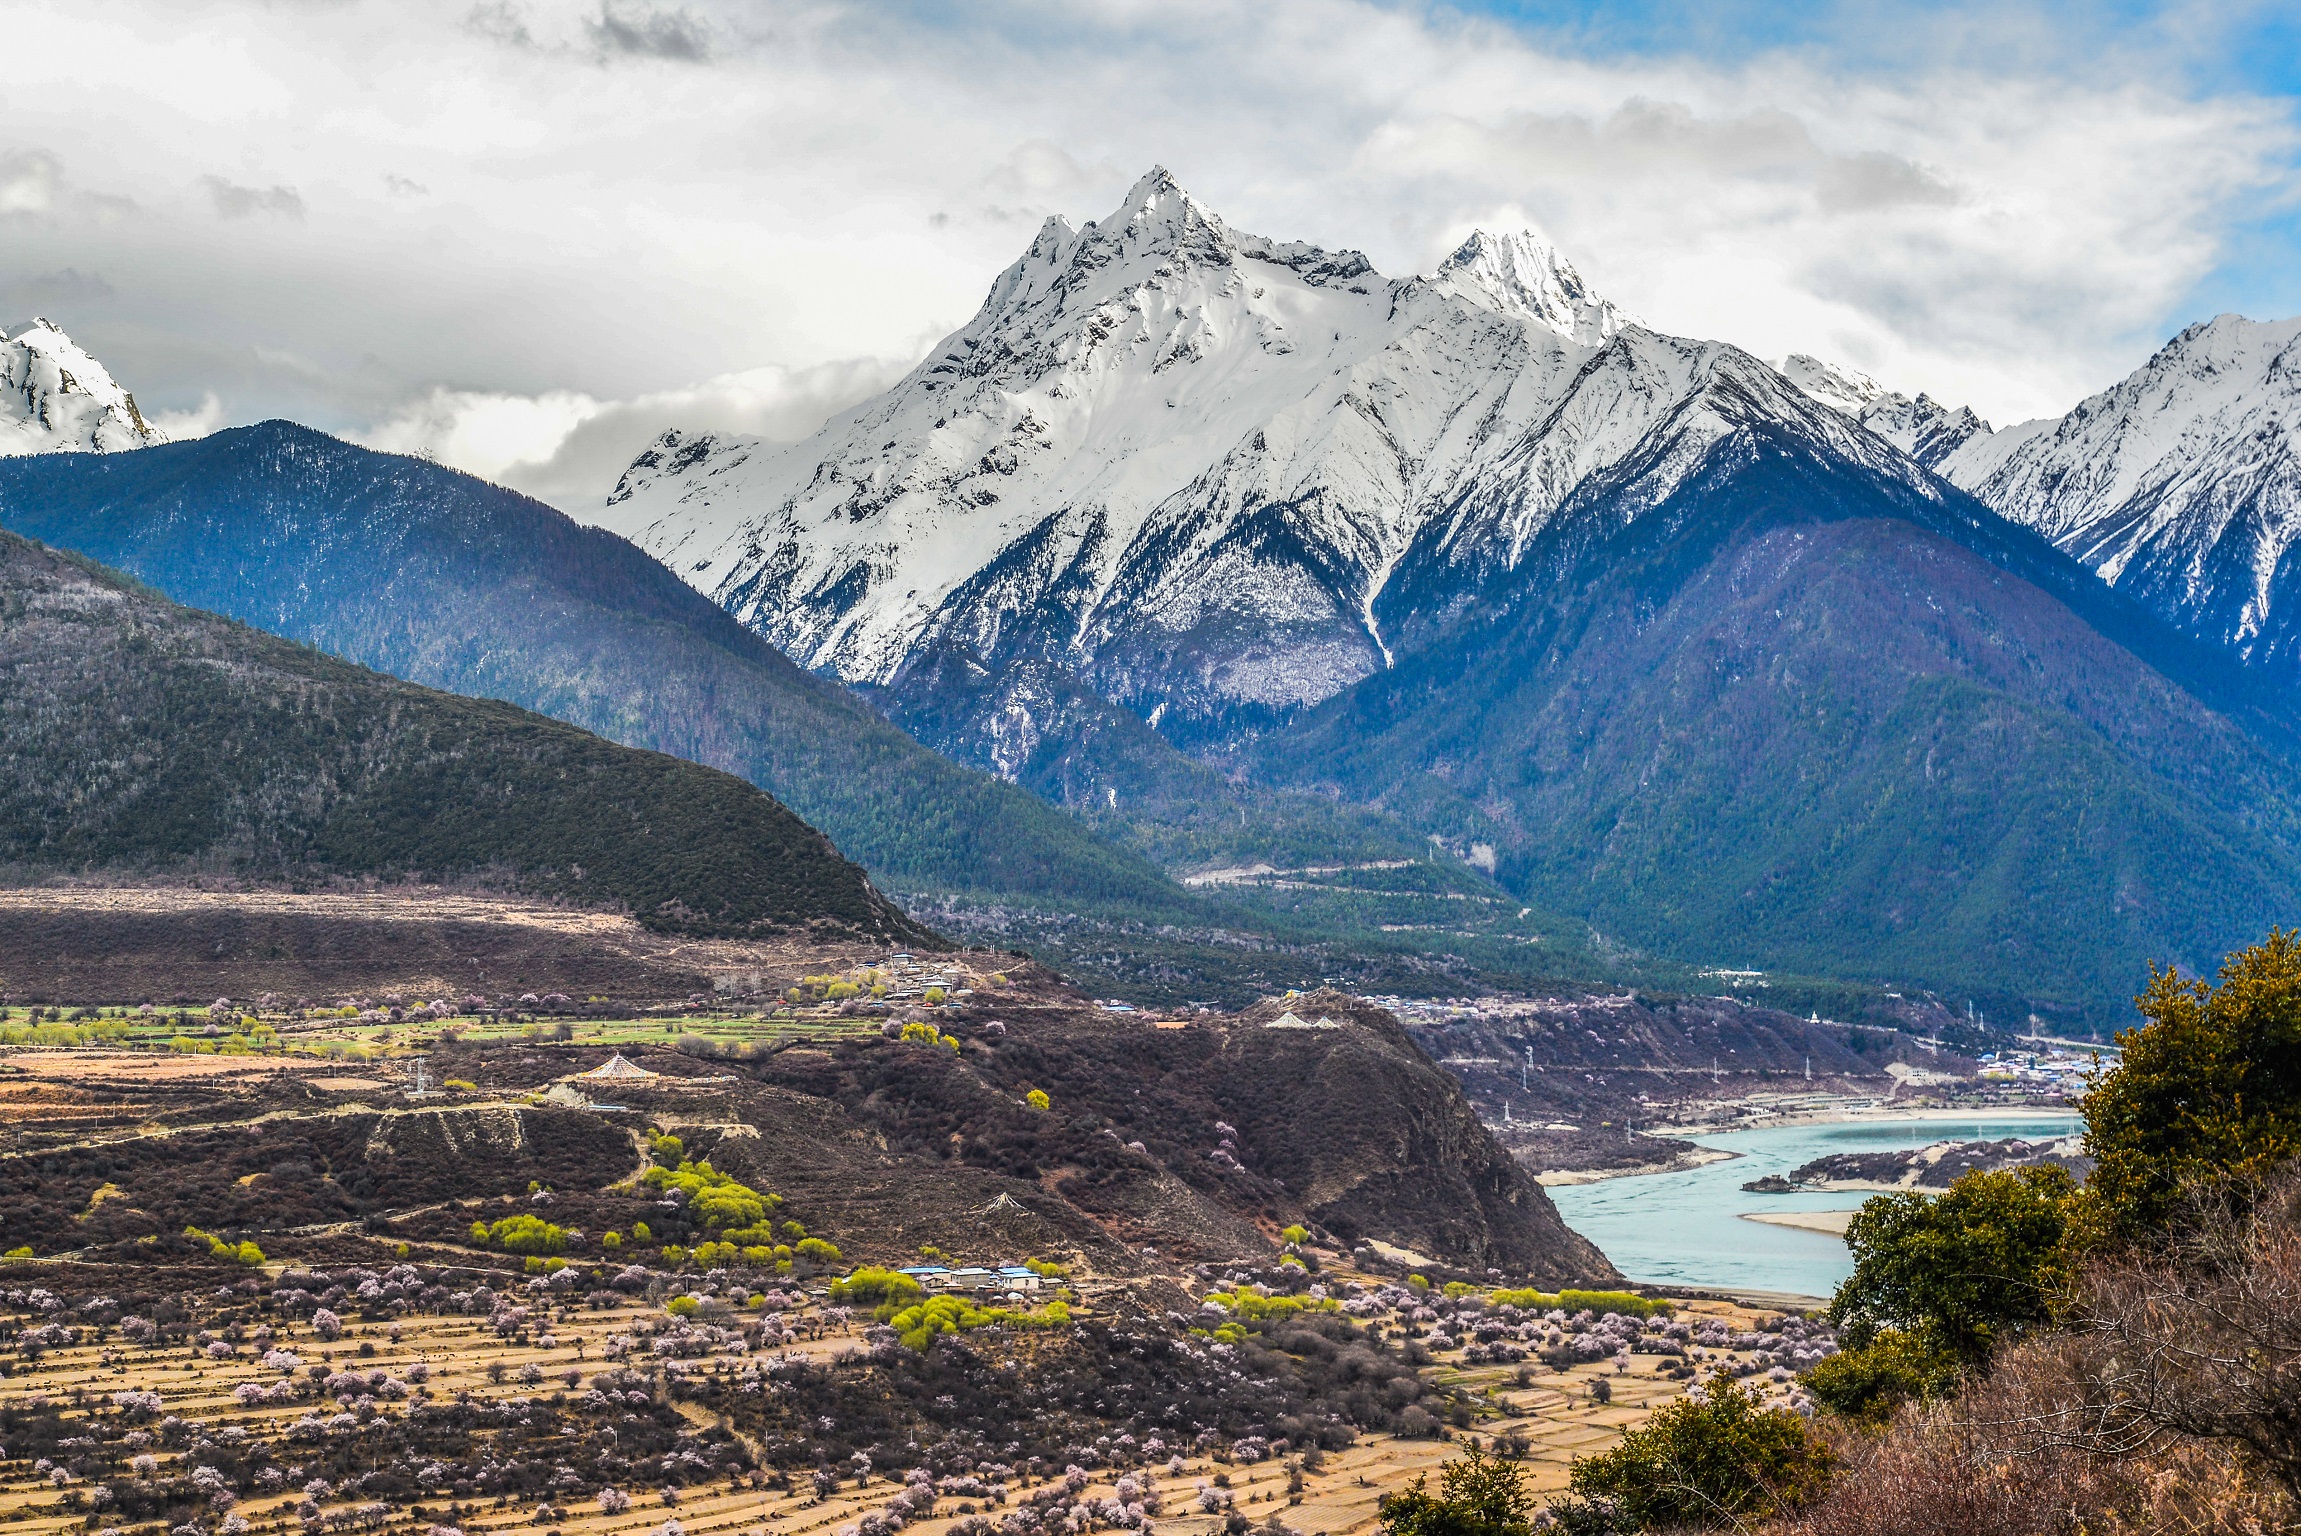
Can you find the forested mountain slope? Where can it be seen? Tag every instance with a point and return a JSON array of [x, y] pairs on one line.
[[446, 580], [142, 739], [1802, 717]]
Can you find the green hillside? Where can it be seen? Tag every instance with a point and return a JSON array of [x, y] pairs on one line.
[[141, 738]]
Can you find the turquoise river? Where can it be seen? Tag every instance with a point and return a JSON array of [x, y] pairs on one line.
[[1688, 1227]]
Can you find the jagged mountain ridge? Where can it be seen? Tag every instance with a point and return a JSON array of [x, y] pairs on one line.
[[1186, 463], [2180, 485], [55, 398], [1923, 428]]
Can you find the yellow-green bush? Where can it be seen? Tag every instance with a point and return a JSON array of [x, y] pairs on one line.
[[521, 1234], [1626, 1303], [874, 1284], [919, 1324], [716, 1199], [1249, 1306], [242, 1253]]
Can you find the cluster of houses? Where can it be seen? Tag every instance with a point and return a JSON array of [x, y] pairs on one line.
[[2056, 1072], [907, 978], [1005, 1278]]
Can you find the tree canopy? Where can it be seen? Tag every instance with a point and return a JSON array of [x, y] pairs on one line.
[[1959, 1271], [1706, 1460], [1478, 1495], [2209, 1091]]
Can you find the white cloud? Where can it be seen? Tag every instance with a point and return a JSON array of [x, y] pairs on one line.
[[568, 449], [28, 181], [233, 201], [182, 426], [518, 230]]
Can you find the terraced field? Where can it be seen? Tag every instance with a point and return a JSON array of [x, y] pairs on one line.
[[532, 1384]]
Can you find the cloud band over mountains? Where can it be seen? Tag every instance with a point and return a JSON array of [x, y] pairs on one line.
[[519, 233]]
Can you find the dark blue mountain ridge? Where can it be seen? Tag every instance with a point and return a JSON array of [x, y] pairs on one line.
[[1810, 716], [443, 579]]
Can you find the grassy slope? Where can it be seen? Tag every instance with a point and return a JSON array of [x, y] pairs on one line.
[[137, 736]]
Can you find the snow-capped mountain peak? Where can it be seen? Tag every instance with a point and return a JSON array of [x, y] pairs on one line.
[[1836, 386], [1190, 465], [1523, 274], [2180, 484], [1923, 428], [55, 398]]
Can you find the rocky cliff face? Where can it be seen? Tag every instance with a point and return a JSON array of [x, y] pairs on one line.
[[1199, 1142], [1379, 1142]]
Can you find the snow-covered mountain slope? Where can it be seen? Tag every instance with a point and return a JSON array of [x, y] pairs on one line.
[[1923, 428], [55, 398], [1186, 462], [2180, 485]]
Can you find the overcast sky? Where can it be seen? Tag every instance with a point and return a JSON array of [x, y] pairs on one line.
[[524, 235]]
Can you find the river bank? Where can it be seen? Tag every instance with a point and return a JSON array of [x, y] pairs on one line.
[[1685, 1228], [1566, 1178]]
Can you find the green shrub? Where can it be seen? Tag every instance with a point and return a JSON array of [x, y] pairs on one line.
[[522, 1234], [1868, 1383], [1037, 1099], [919, 1324], [2205, 1094], [682, 1306], [872, 1284], [816, 1252], [1249, 1306], [1981, 1260], [713, 1197], [240, 1253], [1721, 1458], [1477, 1495], [1627, 1303]]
